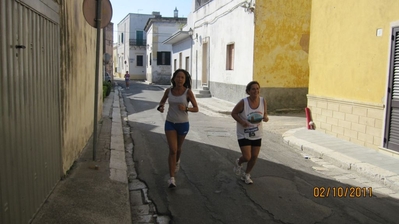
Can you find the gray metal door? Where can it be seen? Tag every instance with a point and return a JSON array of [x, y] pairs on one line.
[[391, 138], [30, 154]]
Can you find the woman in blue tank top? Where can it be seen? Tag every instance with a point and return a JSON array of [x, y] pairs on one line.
[[176, 124], [249, 113]]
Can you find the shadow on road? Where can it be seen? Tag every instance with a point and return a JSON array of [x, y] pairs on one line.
[[209, 192]]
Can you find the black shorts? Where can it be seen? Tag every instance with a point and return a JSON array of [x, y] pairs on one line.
[[246, 142]]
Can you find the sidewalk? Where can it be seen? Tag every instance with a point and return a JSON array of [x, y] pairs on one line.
[[380, 166], [90, 192], [106, 190]]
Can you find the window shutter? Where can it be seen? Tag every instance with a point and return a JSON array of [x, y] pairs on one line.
[[392, 132], [159, 58], [167, 60]]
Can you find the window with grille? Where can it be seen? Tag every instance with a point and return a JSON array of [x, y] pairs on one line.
[[139, 60], [163, 58], [139, 38]]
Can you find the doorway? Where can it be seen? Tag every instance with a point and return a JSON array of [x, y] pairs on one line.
[[205, 64]]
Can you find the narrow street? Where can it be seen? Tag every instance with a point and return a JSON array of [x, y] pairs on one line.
[[287, 187]]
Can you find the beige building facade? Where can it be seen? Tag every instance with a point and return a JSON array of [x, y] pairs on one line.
[[77, 70], [47, 68]]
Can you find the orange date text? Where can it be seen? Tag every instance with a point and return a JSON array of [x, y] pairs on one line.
[[342, 192]]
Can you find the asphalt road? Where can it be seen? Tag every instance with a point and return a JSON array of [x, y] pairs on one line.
[[287, 187]]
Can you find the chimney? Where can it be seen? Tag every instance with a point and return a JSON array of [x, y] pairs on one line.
[[156, 14]]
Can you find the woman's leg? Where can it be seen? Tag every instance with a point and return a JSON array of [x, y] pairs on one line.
[[254, 152], [172, 138], [180, 140], [246, 154]]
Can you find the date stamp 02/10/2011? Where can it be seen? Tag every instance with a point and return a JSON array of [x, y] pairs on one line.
[[342, 192]]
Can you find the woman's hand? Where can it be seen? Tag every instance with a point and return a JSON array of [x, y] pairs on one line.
[[182, 107], [245, 124], [265, 118], [160, 108]]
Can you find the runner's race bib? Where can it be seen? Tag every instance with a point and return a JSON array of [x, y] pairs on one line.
[[251, 132]]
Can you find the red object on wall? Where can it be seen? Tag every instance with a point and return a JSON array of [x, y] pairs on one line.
[[308, 118]]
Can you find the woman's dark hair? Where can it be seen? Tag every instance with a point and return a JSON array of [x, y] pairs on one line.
[[249, 86], [187, 83]]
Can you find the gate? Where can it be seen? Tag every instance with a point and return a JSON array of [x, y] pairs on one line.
[[30, 153]]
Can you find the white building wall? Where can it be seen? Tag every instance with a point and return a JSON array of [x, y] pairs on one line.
[[122, 50], [137, 23], [161, 31], [165, 30], [150, 54], [220, 23], [127, 54], [183, 47]]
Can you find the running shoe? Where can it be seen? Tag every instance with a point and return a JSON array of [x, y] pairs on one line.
[[237, 168], [247, 178], [172, 182]]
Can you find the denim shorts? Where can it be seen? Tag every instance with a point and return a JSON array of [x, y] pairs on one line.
[[246, 142], [180, 128]]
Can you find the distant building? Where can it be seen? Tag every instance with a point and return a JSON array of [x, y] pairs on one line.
[[115, 61], [159, 29], [222, 47], [181, 42], [132, 45]]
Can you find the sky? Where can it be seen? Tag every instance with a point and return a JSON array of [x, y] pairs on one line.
[[120, 8]]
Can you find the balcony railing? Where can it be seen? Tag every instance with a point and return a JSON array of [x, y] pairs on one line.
[[137, 42]]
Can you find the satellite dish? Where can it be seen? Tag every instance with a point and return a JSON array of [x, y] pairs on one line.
[[90, 12]]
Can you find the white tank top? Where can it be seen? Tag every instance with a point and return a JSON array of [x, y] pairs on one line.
[[174, 114], [253, 117]]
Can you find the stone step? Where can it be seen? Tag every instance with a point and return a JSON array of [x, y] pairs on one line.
[[199, 93], [204, 92], [203, 95]]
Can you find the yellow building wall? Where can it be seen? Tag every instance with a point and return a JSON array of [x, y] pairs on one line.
[[349, 63], [281, 43], [281, 46], [347, 59], [78, 54]]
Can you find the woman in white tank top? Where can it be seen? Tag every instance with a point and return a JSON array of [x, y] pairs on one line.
[[249, 113]]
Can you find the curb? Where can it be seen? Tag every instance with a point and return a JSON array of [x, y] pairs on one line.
[[117, 164], [387, 178]]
